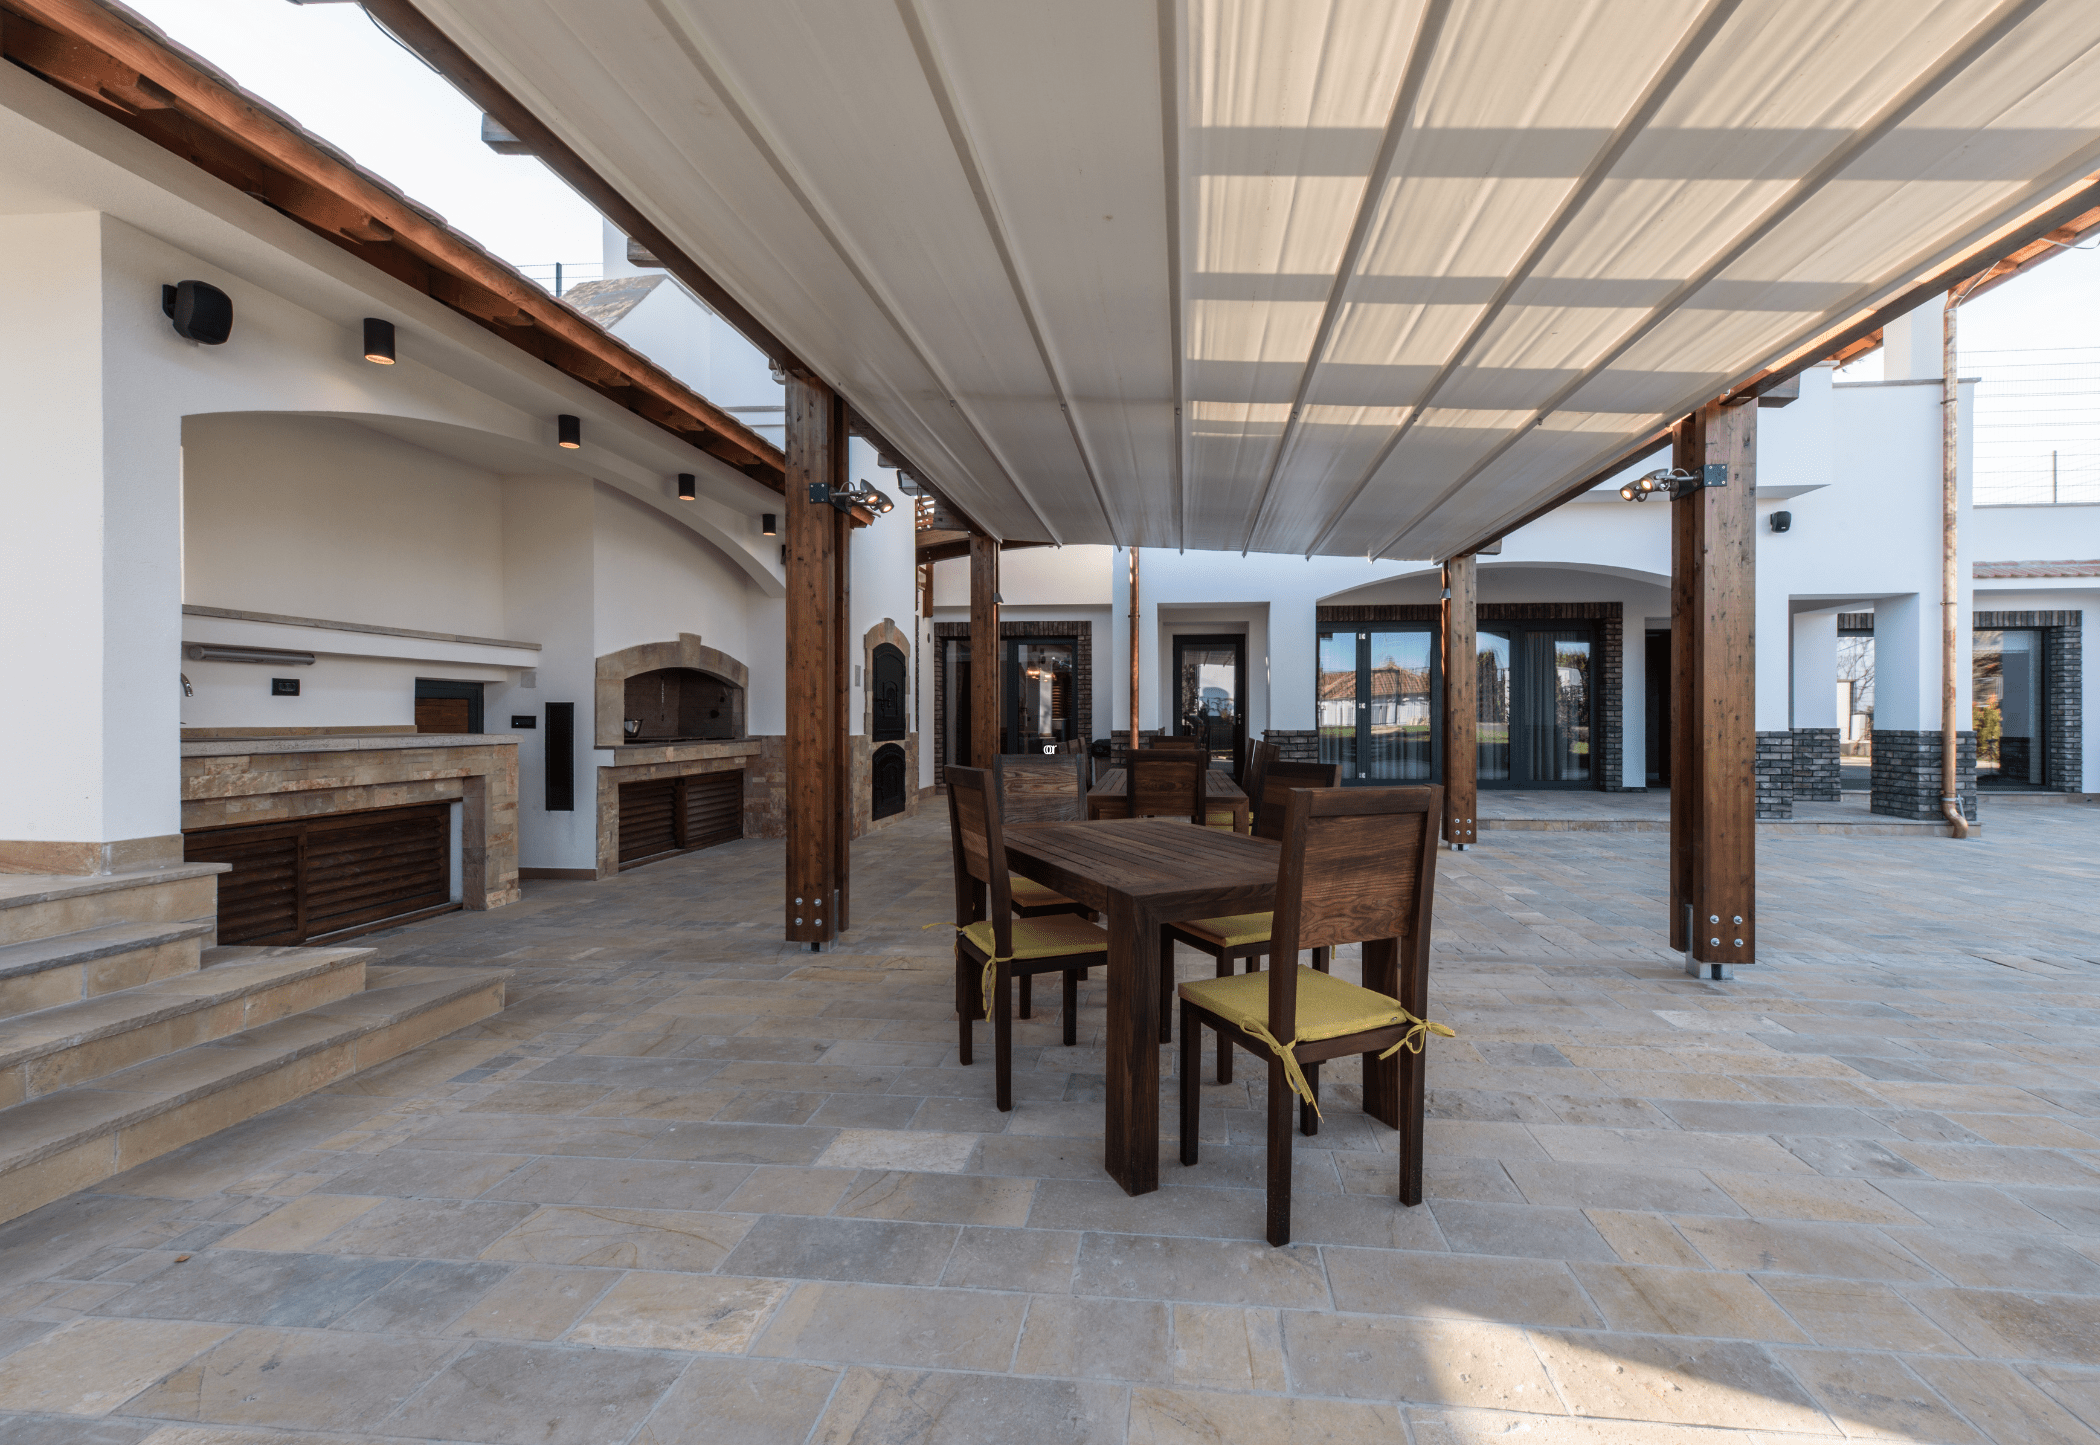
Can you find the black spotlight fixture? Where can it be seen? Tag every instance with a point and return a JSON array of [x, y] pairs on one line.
[[686, 484], [766, 524], [201, 311], [568, 431], [379, 341]]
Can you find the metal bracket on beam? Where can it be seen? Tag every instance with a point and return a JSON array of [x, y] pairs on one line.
[[1683, 484]]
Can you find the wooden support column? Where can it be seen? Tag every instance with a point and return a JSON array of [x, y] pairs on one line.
[[984, 652], [1713, 676], [815, 721], [1460, 642], [1137, 651], [842, 680]]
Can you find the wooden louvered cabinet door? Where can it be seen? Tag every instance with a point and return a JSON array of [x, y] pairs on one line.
[[648, 819], [663, 816], [714, 808], [312, 878]]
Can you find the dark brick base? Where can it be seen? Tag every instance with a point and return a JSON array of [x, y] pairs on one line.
[[1775, 775], [1295, 745], [1818, 777], [1907, 773]]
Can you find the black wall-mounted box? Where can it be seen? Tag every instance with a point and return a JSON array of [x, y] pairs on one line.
[[284, 687], [527, 721]]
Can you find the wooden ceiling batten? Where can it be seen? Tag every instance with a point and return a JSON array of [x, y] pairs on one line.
[[110, 62]]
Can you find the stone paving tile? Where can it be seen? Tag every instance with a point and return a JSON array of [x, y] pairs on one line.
[[695, 1185]]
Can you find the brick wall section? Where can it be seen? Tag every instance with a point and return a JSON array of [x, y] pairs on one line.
[[1907, 773], [1818, 776], [765, 789], [1775, 775], [1295, 745], [2063, 691], [1612, 671]]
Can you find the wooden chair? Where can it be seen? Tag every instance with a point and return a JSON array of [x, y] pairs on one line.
[[992, 945], [1169, 743], [1251, 771], [1246, 935], [1279, 779], [1030, 898], [1165, 783], [1357, 866]]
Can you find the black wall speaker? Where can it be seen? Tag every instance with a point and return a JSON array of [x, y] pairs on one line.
[[1781, 521], [201, 311]]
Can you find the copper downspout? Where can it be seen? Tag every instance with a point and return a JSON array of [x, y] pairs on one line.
[[1950, 580]]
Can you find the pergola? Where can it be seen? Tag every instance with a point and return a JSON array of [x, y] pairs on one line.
[[1352, 277]]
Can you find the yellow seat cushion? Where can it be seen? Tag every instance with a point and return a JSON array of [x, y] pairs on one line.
[[1328, 1008], [1220, 819], [1027, 893], [1235, 930], [1042, 937]]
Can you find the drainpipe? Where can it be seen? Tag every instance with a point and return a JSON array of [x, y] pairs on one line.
[[1950, 580]]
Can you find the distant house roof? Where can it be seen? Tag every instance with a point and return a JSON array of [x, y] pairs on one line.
[[1997, 570], [1386, 682], [605, 302]]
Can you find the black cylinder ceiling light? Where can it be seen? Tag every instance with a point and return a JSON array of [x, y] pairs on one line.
[[379, 341], [568, 431], [767, 524], [686, 487]]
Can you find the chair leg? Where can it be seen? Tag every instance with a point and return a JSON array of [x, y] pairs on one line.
[[1320, 959], [966, 1004], [1308, 1117], [1027, 1009], [1191, 1052], [1166, 988], [1224, 1044], [1280, 1099], [1071, 1002], [1003, 1038]]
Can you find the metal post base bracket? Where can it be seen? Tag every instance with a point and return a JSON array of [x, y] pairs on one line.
[[1710, 972]]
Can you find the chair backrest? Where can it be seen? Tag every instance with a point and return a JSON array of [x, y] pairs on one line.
[[1166, 783], [1168, 743], [1260, 758], [1357, 865], [1037, 787], [1280, 778], [983, 886]]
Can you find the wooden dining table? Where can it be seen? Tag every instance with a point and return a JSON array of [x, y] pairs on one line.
[[1220, 792], [1139, 874]]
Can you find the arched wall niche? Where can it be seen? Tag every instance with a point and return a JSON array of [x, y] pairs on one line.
[[692, 680]]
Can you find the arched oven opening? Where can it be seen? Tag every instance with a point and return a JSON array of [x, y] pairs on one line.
[[888, 778], [681, 704]]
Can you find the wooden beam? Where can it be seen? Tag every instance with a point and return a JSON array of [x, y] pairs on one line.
[[1460, 642], [813, 719], [1137, 650], [985, 658], [97, 55], [842, 655], [1713, 668]]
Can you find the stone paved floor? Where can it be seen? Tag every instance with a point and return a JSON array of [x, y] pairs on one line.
[[692, 1187]]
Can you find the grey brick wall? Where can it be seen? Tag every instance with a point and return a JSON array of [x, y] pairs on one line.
[[1775, 775], [1907, 773], [1614, 682], [1818, 776], [1295, 745]]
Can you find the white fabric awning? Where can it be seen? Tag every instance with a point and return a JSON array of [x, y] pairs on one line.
[[1333, 276]]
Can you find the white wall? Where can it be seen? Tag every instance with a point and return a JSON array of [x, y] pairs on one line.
[[320, 517], [652, 580], [883, 581]]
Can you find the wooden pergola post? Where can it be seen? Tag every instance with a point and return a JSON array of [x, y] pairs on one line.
[[841, 680], [816, 720], [1460, 643], [1713, 659], [984, 651], [1137, 651]]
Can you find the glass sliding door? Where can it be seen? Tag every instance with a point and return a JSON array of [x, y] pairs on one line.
[[2006, 682], [1493, 685], [1552, 722], [1210, 685], [1397, 743], [1336, 701], [1041, 694]]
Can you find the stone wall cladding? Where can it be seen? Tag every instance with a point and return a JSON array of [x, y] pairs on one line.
[[729, 758], [222, 791], [1610, 661], [1907, 773], [1295, 745], [1083, 665], [1775, 775], [765, 789], [2063, 691], [1818, 776]]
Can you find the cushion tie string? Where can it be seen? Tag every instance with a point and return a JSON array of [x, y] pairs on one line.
[[1413, 1041]]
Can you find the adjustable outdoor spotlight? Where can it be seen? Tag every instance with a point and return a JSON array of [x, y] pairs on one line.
[[861, 495], [686, 485], [568, 431], [1677, 483], [767, 525], [379, 341]]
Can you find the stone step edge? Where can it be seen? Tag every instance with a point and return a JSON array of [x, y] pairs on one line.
[[177, 1002], [85, 945], [27, 890], [118, 1120]]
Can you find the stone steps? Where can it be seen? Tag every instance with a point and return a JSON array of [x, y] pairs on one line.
[[238, 988], [79, 1136], [42, 973], [42, 905]]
